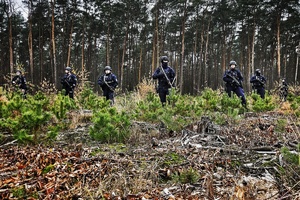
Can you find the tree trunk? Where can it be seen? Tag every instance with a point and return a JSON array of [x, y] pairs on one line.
[[70, 42], [53, 43], [155, 42], [82, 49], [108, 44], [11, 56], [30, 39], [140, 65], [278, 45], [182, 47], [205, 54], [123, 55]]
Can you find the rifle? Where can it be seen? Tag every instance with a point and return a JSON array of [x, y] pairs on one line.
[[235, 80], [258, 79], [169, 82], [111, 88]]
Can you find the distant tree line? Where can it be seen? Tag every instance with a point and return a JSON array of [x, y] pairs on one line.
[[199, 36]]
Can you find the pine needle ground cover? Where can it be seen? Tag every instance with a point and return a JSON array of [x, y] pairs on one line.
[[196, 147]]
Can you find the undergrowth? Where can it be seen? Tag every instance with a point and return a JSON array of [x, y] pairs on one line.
[[43, 115]]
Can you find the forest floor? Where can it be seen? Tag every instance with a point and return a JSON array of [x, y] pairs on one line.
[[240, 160]]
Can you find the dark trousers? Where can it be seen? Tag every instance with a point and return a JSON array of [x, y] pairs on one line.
[[238, 91], [162, 93], [109, 95], [260, 91], [69, 92]]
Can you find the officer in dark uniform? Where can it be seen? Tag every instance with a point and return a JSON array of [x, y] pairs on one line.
[[233, 82], [69, 82], [283, 90], [166, 77], [20, 82], [108, 82], [258, 83]]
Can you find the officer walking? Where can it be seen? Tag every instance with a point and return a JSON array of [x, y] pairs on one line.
[[283, 90], [233, 82], [258, 83], [108, 82], [20, 82], [69, 82], [166, 77]]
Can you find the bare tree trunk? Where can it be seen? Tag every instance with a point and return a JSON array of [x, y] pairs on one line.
[[182, 47], [278, 45], [155, 46], [30, 39], [53, 43], [195, 60], [205, 54], [140, 65], [123, 55], [253, 44], [70, 42], [108, 44], [82, 49], [296, 73], [11, 55]]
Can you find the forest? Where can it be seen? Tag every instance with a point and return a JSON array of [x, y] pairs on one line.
[[201, 144], [200, 37]]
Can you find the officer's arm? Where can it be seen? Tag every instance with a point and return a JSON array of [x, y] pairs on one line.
[[115, 81], [240, 76], [227, 78], [100, 81], [74, 81], [157, 74]]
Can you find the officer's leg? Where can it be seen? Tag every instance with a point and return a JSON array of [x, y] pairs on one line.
[[111, 98], [240, 93], [163, 96], [262, 92], [71, 94], [66, 91], [229, 90]]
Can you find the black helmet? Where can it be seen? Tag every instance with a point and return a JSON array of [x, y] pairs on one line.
[[107, 68], [232, 63], [164, 59], [257, 71], [68, 68]]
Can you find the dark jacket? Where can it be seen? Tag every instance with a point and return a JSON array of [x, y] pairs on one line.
[[165, 80], [108, 82], [227, 77], [258, 81], [19, 81], [69, 81]]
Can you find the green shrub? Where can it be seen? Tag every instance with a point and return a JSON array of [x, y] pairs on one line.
[[90, 100], [210, 99], [281, 124], [292, 158], [110, 126], [61, 104], [186, 176], [262, 105]]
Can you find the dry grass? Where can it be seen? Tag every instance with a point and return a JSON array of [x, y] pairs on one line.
[[78, 117], [145, 87]]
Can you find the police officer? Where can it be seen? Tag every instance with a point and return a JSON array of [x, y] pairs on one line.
[[258, 83], [166, 77], [108, 82], [20, 82], [69, 82], [283, 90], [233, 82]]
